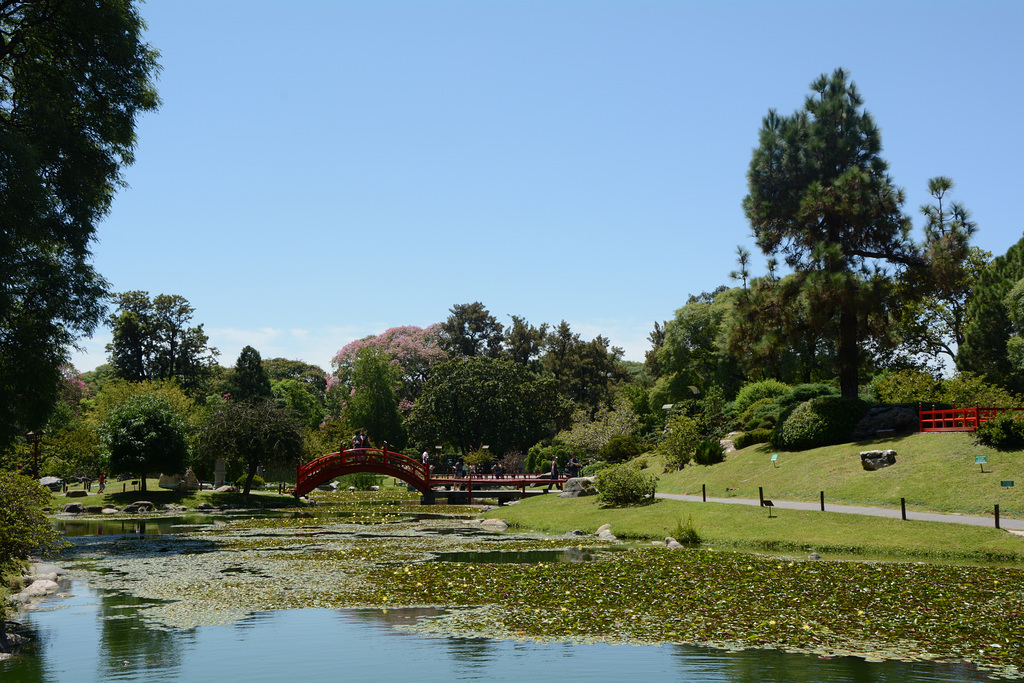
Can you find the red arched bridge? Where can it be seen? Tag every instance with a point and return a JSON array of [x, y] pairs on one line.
[[410, 470], [377, 460]]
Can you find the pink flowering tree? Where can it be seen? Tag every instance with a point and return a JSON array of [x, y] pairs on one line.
[[412, 350]]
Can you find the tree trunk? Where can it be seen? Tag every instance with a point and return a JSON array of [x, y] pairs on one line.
[[848, 351]]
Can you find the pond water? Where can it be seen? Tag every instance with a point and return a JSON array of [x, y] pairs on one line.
[[97, 634]]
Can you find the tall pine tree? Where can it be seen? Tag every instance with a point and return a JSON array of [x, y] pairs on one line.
[[821, 197]]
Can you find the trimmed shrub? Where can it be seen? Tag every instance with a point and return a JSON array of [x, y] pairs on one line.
[[625, 484], [757, 391], [621, 448], [709, 452], [805, 392], [761, 414], [750, 438], [821, 421], [1004, 433]]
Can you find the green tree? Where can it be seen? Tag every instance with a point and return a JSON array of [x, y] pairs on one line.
[[471, 331], [820, 195], [591, 433], [145, 435], [524, 343], [933, 317], [152, 340], [693, 351], [373, 403], [74, 77], [680, 440], [249, 435], [249, 382], [24, 526], [989, 326], [471, 402], [296, 395], [584, 372], [312, 377]]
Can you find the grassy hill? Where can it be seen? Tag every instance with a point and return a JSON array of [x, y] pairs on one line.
[[935, 472]]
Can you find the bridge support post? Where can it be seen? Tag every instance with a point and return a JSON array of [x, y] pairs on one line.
[[428, 498]]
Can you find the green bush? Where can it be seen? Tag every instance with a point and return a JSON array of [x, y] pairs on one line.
[[819, 422], [625, 484], [538, 458], [968, 389], [680, 440], [621, 448], [805, 392], [362, 481], [758, 391], [750, 438], [762, 414], [257, 481], [1004, 433], [906, 386], [709, 452], [687, 533], [24, 526]]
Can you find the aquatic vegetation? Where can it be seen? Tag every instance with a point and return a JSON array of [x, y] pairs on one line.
[[381, 557]]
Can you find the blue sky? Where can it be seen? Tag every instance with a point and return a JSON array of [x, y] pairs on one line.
[[323, 170]]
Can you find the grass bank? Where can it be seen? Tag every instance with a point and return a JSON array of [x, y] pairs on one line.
[[120, 494], [933, 472], [742, 527]]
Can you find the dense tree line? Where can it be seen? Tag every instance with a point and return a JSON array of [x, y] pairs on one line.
[[850, 308]]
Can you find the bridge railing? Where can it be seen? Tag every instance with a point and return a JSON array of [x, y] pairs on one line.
[[960, 419]]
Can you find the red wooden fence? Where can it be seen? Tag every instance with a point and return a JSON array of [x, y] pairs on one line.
[[960, 419]]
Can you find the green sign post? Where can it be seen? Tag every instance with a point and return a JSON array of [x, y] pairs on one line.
[[981, 460], [1006, 484]]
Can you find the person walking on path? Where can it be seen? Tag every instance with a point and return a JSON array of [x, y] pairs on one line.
[[554, 475]]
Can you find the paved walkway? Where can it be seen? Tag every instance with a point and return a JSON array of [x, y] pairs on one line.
[[1016, 524]]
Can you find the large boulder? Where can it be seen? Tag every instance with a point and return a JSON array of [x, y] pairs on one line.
[[578, 486], [73, 508], [876, 460], [495, 524], [888, 420], [77, 493], [169, 481]]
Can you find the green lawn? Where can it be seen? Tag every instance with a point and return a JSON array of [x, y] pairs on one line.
[[121, 493], [934, 472]]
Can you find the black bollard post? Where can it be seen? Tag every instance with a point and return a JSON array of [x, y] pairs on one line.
[[704, 492], [903, 508], [760, 495], [997, 515], [822, 501]]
